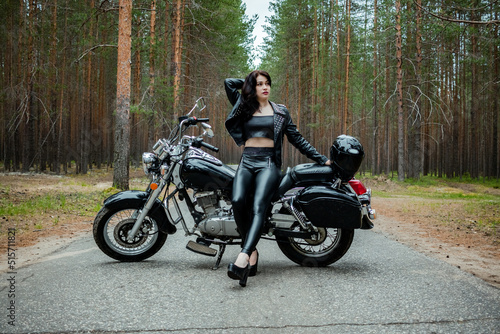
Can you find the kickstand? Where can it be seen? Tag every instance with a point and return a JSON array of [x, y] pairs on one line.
[[222, 248]]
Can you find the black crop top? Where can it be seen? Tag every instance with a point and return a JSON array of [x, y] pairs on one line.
[[259, 126]]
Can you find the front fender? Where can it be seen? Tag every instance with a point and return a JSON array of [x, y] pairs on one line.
[[136, 199]]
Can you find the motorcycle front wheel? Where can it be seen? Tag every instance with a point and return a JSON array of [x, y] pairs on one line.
[[328, 246], [111, 227]]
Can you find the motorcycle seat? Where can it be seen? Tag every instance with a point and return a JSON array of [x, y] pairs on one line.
[[303, 175]]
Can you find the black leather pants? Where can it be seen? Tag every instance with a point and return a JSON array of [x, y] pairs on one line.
[[254, 184]]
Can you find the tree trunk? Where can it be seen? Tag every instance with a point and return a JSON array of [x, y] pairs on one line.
[[339, 90], [375, 146], [27, 129], [136, 118], [399, 83], [53, 91], [495, 164], [122, 121], [86, 115], [177, 63], [415, 150], [299, 92], [387, 142], [347, 66], [151, 117], [475, 110]]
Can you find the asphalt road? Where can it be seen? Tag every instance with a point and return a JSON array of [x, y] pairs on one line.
[[380, 286]]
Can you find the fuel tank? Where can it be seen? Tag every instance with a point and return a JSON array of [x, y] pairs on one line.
[[329, 207], [201, 171]]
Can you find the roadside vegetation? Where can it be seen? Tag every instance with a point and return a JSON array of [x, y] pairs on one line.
[[32, 203], [470, 205]]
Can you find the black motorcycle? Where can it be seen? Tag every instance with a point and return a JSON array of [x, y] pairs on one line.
[[313, 215]]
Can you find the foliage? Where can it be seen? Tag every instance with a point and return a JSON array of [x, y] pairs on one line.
[[449, 103], [333, 64], [58, 91]]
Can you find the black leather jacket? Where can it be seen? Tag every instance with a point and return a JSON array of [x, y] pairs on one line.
[[283, 124]]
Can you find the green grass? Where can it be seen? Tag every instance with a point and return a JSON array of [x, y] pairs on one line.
[[476, 201], [83, 203], [448, 192], [433, 180], [79, 198], [38, 204], [434, 187]]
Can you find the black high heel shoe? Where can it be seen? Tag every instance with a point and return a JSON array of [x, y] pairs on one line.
[[253, 269], [235, 272]]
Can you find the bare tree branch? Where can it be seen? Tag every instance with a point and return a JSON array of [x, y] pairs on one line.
[[456, 20], [93, 48]]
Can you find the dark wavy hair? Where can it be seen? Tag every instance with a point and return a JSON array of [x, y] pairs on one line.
[[249, 93]]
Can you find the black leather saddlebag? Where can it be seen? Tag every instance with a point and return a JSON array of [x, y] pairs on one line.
[[328, 207]]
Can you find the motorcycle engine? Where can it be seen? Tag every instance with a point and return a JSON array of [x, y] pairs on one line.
[[219, 220]]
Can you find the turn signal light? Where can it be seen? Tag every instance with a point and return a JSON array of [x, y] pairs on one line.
[[154, 186]]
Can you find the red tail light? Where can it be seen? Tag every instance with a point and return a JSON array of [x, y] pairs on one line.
[[358, 187]]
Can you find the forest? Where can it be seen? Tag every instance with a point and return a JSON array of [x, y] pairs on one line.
[[416, 81]]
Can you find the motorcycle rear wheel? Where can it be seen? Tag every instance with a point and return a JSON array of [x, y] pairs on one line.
[[110, 234], [331, 244]]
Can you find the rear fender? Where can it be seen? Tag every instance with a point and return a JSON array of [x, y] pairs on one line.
[[137, 199]]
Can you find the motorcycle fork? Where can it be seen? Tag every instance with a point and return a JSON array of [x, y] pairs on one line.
[[153, 195], [143, 212]]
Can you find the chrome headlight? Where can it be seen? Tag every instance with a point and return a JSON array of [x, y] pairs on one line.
[[160, 146], [150, 162], [161, 149]]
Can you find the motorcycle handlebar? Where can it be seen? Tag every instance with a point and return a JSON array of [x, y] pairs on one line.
[[193, 120], [199, 142], [210, 147]]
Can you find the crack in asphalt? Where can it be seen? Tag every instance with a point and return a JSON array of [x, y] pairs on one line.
[[20, 281], [164, 330]]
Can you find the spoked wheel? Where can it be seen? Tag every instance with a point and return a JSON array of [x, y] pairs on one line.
[[326, 247], [111, 228]]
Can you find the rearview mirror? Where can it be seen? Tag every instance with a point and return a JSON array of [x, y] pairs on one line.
[[200, 104], [207, 130]]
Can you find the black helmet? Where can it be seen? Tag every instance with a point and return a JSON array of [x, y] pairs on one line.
[[346, 154]]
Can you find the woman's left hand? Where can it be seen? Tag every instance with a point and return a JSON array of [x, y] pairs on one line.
[[328, 163]]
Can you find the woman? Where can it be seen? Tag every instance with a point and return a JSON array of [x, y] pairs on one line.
[[260, 126]]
